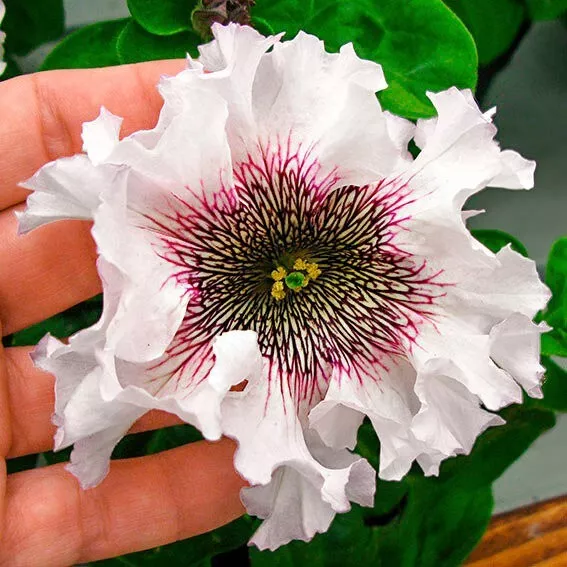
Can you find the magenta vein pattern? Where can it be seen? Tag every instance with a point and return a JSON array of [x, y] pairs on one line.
[[365, 306]]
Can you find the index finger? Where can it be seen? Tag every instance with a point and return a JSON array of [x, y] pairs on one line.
[[41, 114], [144, 502]]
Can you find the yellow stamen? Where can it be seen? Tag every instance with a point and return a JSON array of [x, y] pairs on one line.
[[278, 291], [279, 274], [300, 264], [313, 271]]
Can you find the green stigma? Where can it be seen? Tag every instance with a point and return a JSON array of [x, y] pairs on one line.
[[295, 280]]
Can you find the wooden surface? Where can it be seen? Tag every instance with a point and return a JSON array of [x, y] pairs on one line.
[[534, 536]]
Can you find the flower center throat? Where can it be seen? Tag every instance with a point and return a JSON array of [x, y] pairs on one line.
[[292, 277]]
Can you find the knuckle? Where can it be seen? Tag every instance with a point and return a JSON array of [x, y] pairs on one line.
[[54, 134]]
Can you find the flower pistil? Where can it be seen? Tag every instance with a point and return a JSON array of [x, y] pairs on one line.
[[296, 278]]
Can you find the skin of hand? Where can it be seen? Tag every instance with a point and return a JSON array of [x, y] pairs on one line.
[[45, 518]]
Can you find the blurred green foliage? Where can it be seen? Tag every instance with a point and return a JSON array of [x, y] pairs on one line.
[[61, 325], [86, 48], [430, 521], [136, 44], [495, 240], [29, 23], [420, 44], [162, 18], [494, 24], [546, 9]]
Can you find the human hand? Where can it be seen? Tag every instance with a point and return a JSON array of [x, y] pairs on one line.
[[45, 518]]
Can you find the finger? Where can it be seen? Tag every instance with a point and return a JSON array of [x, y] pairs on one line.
[[42, 114], [5, 417], [143, 503], [44, 272], [30, 398], [5, 431]]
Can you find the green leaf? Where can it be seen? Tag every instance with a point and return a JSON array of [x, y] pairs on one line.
[[52, 457], [431, 522], [494, 24], [546, 9], [554, 343], [88, 47], [12, 69], [556, 279], [135, 44], [554, 386], [389, 494], [150, 442], [367, 444], [20, 464], [421, 44], [498, 447], [162, 17], [495, 240], [133, 445], [29, 23], [438, 528], [347, 537], [458, 520], [171, 437], [61, 325]]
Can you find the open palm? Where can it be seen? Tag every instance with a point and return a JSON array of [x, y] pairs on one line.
[[45, 518]]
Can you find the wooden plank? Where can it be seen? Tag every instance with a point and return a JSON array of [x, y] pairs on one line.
[[532, 536]]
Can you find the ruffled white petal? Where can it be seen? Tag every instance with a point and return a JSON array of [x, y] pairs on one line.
[[485, 295], [99, 397], [190, 154], [515, 347], [301, 483], [68, 188], [502, 284], [101, 136], [464, 354], [230, 62], [387, 399], [292, 497], [454, 365], [322, 99], [148, 314], [117, 186], [190, 158], [298, 90], [292, 507], [515, 172], [450, 418], [227, 66], [81, 415], [459, 155], [194, 399]]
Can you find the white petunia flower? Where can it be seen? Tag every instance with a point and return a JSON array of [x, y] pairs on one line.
[[273, 232], [2, 38]]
